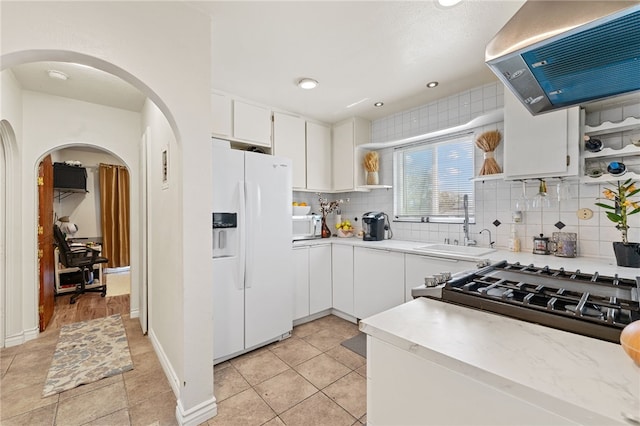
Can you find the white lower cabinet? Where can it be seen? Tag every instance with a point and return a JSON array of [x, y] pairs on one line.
[[300, 282], [378, 280], [319, 278], [312, 274], [417, 267], [342, 274]]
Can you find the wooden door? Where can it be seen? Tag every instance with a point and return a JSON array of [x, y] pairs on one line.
[[45, 242]]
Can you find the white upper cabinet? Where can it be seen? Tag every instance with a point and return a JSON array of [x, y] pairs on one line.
[[545, 145], [221, 115], [251, 123], [318, 157], [289, 140], [348, 171]]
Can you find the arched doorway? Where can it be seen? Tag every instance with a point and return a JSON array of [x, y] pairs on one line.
[[84, 204], [22, 297], [7, 265]]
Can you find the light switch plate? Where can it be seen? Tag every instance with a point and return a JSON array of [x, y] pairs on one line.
[[584, 214]]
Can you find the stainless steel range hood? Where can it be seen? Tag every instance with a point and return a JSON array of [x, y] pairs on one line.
[[556, 54]]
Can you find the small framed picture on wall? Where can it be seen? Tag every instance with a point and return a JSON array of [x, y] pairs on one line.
[[165, 167]]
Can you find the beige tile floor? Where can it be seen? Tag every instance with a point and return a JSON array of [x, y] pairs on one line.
[[141, 396], [308, 379]]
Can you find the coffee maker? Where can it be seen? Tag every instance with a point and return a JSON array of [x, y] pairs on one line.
[[373, 226]]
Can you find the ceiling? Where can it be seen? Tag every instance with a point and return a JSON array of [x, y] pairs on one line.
[[361, 52], [84, 83]]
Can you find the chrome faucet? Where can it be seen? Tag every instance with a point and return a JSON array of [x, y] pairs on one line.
[[491, 242], [465, 227]]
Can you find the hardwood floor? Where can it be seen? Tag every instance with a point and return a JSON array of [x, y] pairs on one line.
[[88, 306]]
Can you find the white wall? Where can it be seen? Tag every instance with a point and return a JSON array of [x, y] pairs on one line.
[[52, 122], [162, 48], [164, 219]]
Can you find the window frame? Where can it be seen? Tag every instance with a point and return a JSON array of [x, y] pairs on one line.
[[433, 145]]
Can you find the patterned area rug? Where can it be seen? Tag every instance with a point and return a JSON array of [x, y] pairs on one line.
[[88, 351]]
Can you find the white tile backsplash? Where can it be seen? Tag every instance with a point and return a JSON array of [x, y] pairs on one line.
[[495, 199]]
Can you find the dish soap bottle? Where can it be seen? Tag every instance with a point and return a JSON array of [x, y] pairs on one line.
[[514, 241]]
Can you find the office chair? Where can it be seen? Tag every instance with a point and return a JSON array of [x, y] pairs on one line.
[[79, 257]]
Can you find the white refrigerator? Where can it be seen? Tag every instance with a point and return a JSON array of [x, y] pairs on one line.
[[252, 272]]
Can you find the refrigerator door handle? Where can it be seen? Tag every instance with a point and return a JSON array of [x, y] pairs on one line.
[[242, 237], [252, 224]]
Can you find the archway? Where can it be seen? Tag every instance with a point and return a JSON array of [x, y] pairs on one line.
[[19, 297], [7, 236], [84, 210]]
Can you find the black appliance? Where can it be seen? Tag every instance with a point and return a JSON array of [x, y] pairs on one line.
[[373, 226], [69, 178], [589, 304]]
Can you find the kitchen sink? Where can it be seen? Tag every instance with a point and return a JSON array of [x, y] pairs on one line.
[[450, 249]]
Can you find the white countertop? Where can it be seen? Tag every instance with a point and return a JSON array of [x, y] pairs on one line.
[[587, 380], [584, 264]]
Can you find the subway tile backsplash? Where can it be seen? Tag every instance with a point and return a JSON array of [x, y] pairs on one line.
[[495, 199]]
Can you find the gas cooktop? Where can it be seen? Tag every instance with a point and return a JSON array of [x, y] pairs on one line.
[[589, 304]]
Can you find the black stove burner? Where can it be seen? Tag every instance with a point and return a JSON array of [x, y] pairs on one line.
[[589, 304]]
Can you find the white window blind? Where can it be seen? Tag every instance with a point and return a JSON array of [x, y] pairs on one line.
[[431, 179]]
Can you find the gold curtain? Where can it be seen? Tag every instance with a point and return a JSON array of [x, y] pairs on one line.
[[114, 214]]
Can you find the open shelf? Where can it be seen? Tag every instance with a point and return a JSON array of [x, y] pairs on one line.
[[627, 151], [609, 178], [628, 123], [482, 178]]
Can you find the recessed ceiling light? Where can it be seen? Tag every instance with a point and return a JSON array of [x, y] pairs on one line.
[[448, 3], [432, 84], [57, 75], [378, 104], [307, 83]]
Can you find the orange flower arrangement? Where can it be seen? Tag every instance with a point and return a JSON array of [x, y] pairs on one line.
[[623, 206]]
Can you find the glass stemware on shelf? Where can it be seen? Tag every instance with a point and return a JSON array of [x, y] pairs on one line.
[[522, 202], [542, 198]]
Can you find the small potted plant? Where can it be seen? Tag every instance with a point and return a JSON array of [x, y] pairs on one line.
[[627, 254]]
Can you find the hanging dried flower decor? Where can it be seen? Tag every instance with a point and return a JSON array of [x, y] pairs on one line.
[[488, 142]]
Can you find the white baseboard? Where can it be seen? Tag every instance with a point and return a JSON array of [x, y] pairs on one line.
[[15, 340], [344, 316], [22, 337], [198, 414], [195, 415], [174, 381], [134, 313]]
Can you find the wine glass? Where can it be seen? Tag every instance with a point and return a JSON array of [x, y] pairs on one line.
[[522, 202], [542, 199]]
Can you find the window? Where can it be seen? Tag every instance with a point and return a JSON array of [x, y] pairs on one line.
[[431, 179]]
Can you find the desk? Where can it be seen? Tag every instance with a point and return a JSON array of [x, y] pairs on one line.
[[68, 278]]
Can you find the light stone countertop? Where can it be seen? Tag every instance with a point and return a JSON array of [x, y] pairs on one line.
[[586, 380], [584, 264]]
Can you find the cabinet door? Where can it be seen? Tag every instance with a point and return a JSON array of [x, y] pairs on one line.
[[343, 156], [539, 146], [342, 271], [319, 278], [318, 157], [289, 141], [301, 282], [378, 280], [417, 267], [251, 123], [220, 115]]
